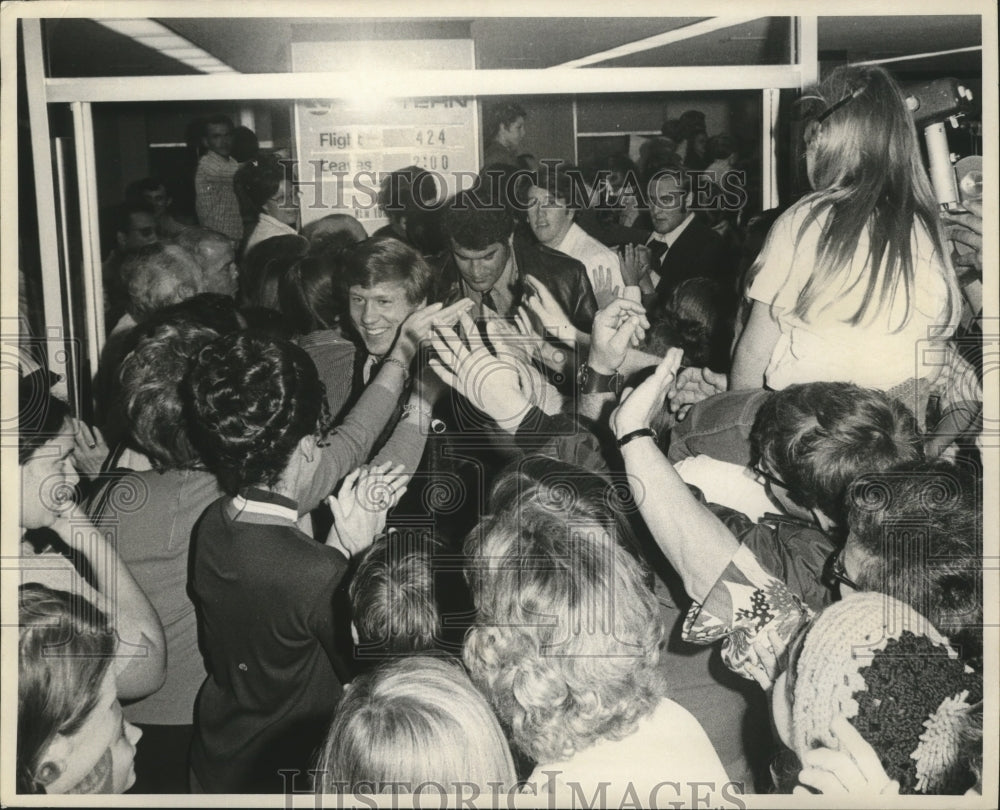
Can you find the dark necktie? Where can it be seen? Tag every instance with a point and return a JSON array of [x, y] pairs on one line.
[[487, 301], [657, 250]]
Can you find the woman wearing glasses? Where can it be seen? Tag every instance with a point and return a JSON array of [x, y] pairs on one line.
[[856, 273]]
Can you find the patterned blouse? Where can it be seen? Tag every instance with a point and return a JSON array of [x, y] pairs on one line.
[[744, 604]]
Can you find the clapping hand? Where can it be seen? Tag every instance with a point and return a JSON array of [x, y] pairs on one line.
[[639, 405], [692, 386], [360, 508], [605, 291], [635, 264]]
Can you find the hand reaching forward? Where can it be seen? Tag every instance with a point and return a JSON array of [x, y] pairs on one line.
[[417, 327], [552, 356], [618, 326], [639, 405], [360, 508], [544, 306], [965, 229], [510, 344], [491, 383]]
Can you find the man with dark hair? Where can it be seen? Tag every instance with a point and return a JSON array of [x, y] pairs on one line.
[[215, 199], [153, 192], [408, 197], [504, 126], [266, 188], [488, 262], [808, 445], [135, 226], [682, 244], [822, 436]]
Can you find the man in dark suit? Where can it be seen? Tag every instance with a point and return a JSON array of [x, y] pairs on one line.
[[682, 244], [487, 262]]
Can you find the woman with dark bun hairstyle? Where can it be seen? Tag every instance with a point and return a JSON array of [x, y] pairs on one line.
[[263, 589]]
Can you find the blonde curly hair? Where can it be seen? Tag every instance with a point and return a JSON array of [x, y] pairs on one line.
[[567, 635]]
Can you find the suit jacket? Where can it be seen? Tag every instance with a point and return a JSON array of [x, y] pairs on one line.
[[565, 278], [698, 252]]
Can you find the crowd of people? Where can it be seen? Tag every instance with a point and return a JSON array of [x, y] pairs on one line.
[[556, 490]]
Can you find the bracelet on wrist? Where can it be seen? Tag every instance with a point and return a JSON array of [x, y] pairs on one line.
[[397, 362], [636, 434]]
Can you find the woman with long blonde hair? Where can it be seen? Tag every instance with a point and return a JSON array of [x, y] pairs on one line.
[[855, 274]]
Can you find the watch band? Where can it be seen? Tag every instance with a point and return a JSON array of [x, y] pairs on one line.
[[636, 434], [590, 382]]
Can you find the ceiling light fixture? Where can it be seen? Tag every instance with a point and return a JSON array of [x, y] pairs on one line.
[[160, 38]]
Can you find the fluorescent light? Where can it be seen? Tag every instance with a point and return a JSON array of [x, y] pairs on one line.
[[134, 28], [164, 40], [183, 54], [160, 38]]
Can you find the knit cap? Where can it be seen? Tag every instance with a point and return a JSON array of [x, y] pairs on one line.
[[883, 666]]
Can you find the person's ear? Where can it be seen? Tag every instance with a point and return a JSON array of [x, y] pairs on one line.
[[688, 200], [308, 448], [120, 238]]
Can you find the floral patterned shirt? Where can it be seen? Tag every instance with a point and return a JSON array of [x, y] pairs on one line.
[[744, 604]]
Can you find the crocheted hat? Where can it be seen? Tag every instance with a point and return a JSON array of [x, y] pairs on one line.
[[884, 667]]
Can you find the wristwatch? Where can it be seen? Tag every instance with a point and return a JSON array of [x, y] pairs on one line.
[[590, 382]]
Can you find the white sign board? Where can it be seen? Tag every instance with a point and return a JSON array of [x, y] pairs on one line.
[[345, 147]]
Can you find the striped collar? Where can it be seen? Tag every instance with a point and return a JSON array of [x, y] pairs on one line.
[[254, 505]]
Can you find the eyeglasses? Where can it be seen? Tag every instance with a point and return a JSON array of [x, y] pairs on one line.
[[834, 573], [770, 478], [813, 125]]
